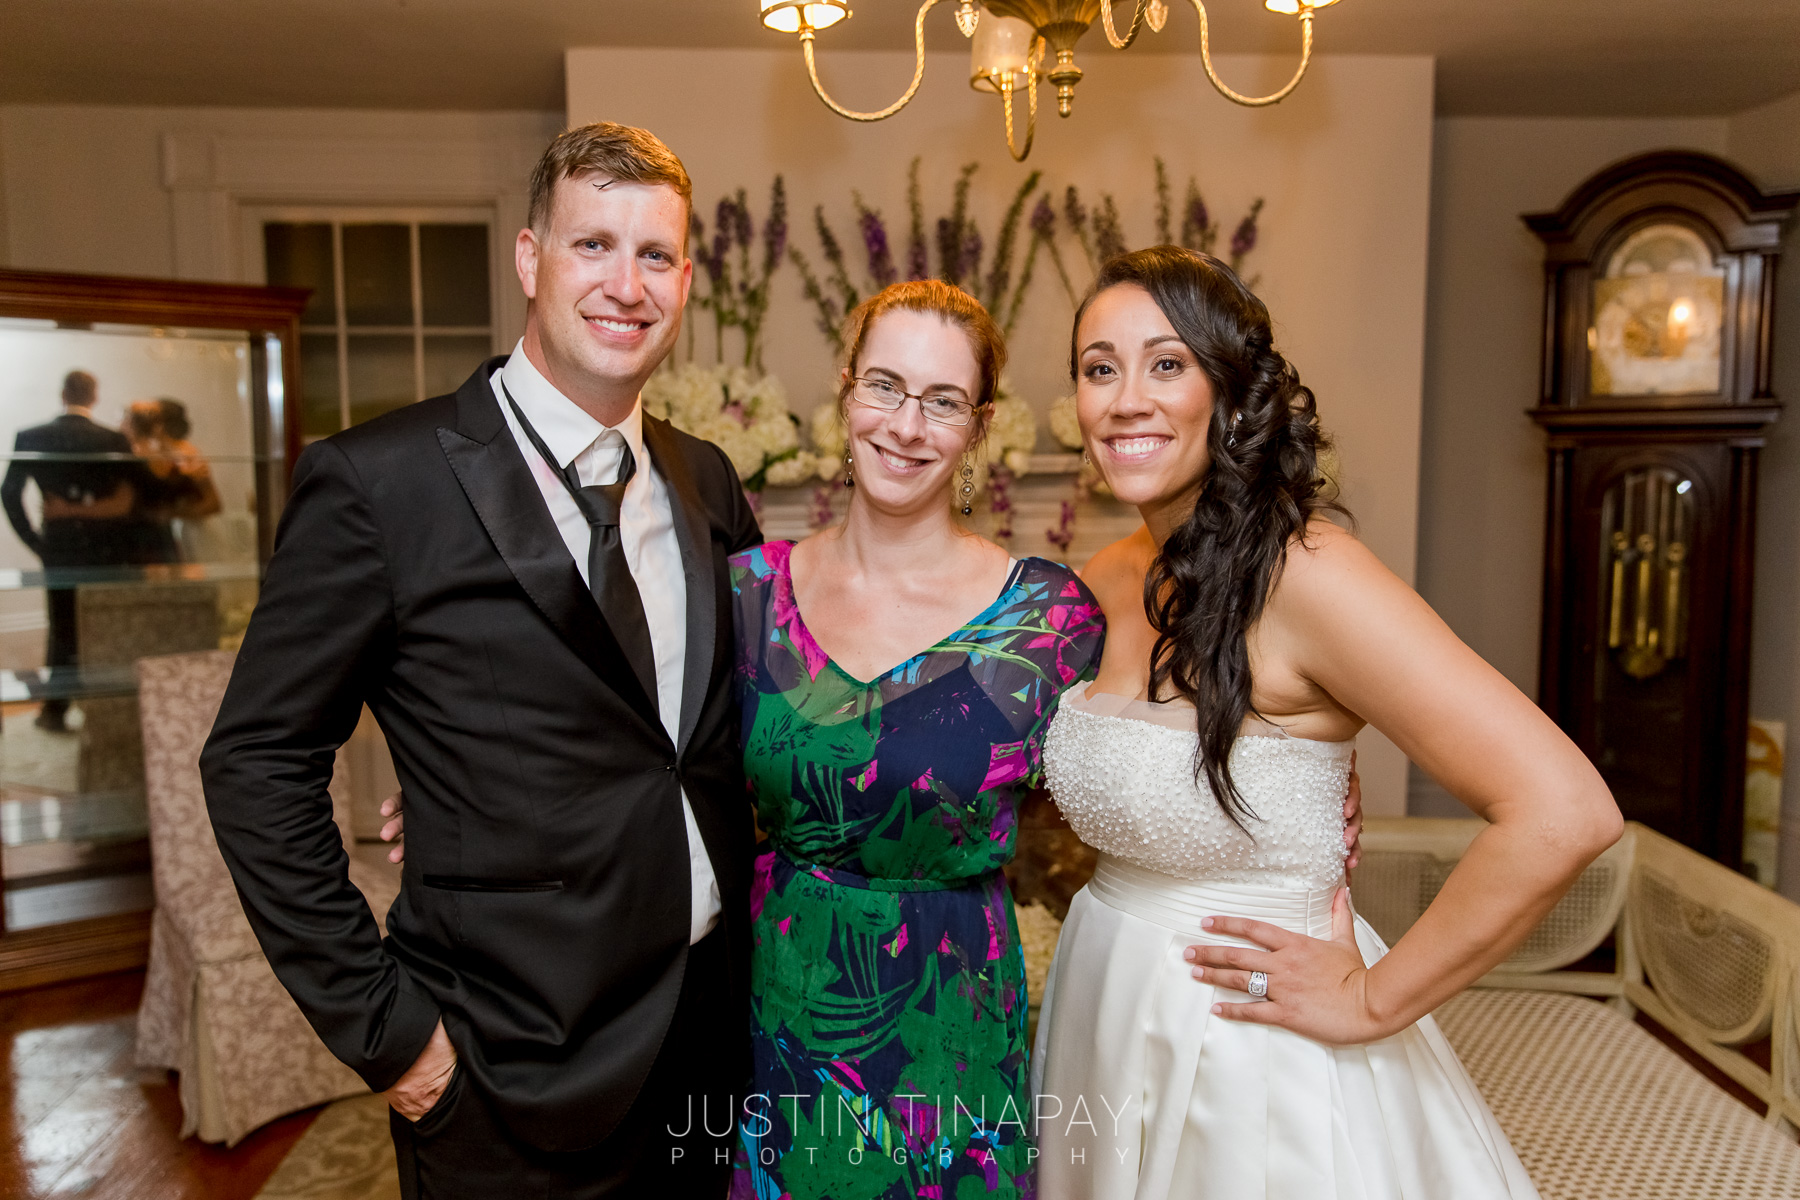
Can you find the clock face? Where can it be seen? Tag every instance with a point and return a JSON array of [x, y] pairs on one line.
[[1658, 308]]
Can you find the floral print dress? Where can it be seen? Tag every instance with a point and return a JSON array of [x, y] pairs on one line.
[[888, 984]]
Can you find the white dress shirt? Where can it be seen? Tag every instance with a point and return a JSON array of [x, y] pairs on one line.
[[647, 531]]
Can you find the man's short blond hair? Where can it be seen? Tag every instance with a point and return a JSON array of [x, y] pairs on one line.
[[619, 151]]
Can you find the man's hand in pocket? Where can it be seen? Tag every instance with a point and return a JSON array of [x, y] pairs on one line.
[[415, 1092]]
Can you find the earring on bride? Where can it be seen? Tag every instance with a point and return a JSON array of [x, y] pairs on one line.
[[968, 485], [1231, 433]]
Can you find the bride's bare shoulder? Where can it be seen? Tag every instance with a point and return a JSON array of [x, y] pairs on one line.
[[1330, 567], [1118, 570]]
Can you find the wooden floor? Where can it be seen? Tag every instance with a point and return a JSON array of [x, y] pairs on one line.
[[80, 1119]]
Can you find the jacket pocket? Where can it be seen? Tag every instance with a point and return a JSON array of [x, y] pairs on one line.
[[435, 1118], [481, 883]]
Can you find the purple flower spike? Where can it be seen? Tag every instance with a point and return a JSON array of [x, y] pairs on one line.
[[875, 241], [968, 260], [1244, 240], [916, 265], [1043, 217], [1072, 209], [775, 229], [745, 230]]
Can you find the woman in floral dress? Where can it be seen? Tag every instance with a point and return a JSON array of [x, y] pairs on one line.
[[896, 675]]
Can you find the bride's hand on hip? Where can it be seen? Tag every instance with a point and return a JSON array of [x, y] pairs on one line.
[[395, 829], [1315, 987]]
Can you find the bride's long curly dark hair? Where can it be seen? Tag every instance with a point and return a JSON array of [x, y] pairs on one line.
[[1208, 584]]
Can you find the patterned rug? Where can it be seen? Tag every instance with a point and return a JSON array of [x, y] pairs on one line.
[[344, 1155], [347, 1155]]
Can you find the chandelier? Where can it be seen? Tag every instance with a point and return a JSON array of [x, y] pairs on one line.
[[1010, 40]]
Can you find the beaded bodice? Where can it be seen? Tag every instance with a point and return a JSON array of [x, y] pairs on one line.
[[1122, 772]]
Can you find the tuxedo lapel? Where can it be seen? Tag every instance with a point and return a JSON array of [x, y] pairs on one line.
[[693, 532], [487, 463]]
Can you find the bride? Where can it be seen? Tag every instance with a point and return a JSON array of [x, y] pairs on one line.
[[1217, 1022]]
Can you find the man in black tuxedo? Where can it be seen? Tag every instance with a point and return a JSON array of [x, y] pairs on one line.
[[90, 483], [526, 582]]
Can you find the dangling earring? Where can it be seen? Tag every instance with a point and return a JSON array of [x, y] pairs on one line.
[[1231, 432], [849, 466], [968, 484], [1085, 460]]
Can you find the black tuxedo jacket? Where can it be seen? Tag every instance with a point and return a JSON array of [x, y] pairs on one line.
[[544, 912], [77, 481]]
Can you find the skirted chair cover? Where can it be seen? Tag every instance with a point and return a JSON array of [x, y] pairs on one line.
[[212, 1010]]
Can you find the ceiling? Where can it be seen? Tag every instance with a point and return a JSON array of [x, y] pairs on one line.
[[1501, 57]]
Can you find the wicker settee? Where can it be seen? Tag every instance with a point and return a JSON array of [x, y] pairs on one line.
[[1595, 1104]]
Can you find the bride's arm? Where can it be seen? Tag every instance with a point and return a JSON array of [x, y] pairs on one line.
[[1339, 619]]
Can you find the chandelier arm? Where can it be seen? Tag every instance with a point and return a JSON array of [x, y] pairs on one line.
[[1112, 35], [812, 69], [1306, 39], [1006, 94]]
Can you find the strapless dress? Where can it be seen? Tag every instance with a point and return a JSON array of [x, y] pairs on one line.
[[1139, 1090]]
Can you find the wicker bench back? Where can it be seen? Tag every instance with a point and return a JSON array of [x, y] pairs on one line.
[[1709, 954]]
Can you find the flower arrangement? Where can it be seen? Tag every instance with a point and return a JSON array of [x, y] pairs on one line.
[[1012, 431], [833, 292], [1012, 434], [1101, 236], [743, 413], [1065, 427], [737, 290]]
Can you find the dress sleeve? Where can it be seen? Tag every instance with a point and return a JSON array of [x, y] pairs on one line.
[[1071, 655], [749, 607]]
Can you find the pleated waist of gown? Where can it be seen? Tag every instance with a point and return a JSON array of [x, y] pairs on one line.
[[1179, 905]]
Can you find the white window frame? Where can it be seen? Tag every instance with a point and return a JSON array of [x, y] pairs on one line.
[[255, 217]]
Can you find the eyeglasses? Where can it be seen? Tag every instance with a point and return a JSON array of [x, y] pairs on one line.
[[941, 407]]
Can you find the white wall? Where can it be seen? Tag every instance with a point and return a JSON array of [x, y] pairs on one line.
[[161, 192], [1344, 164], [1766, 143], [1482, 474]]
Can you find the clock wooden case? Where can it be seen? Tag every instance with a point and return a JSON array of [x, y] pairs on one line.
[[1658, 329]]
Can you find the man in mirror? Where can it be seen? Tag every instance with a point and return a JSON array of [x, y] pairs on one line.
[[90, 483]]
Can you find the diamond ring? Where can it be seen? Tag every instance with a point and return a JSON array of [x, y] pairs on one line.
[[1259, 985]]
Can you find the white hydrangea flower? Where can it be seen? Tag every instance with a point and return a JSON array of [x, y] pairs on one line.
[[776, 434], [1012, 435], [739, 445], [1065, 427], [791, 471]]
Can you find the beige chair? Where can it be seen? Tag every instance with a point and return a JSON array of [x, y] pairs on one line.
[[1596, 1105], [212, 1008]]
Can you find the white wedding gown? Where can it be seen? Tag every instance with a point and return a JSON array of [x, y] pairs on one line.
[[1142, 1092]]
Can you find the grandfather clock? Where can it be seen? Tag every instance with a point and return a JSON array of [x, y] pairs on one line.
[[1659, 281]]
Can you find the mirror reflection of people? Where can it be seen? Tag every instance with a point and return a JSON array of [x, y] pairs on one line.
[[159, 431], [88, 502]]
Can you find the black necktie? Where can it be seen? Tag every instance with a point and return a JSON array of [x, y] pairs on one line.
[[609, 576]]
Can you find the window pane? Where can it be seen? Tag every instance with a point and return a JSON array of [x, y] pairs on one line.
[[450, 360], [381, 374], [453, 274], [319, 415], [377, 275], [300, 256]]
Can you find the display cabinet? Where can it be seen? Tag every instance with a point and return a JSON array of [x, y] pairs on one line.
[[148, 430], [1657, 342]]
